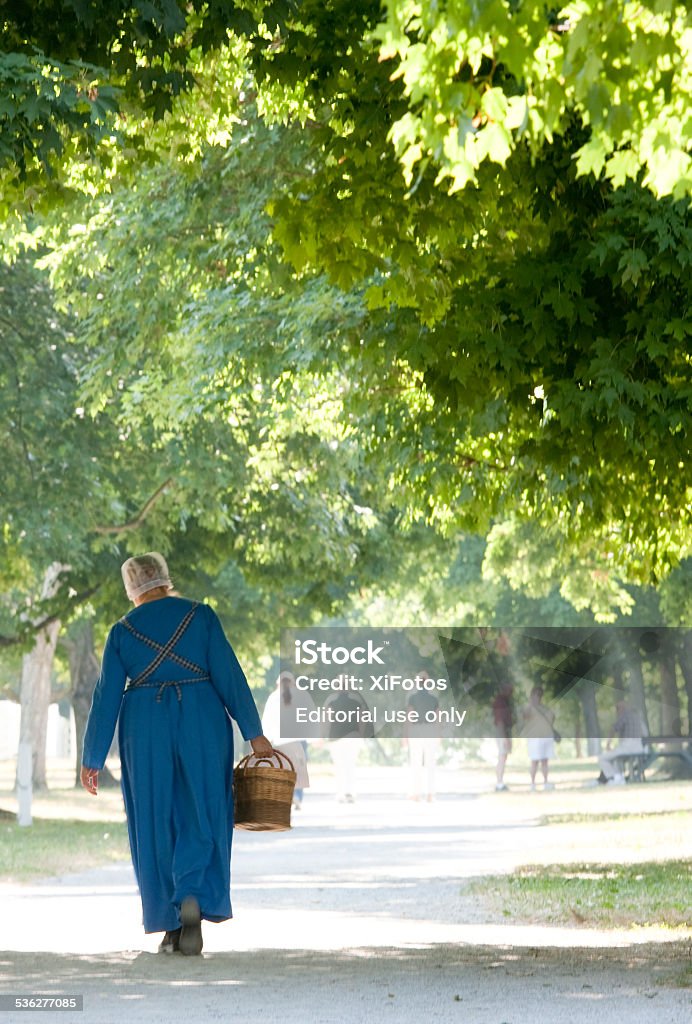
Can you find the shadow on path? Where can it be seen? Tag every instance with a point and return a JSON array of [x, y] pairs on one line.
[[473, 984]]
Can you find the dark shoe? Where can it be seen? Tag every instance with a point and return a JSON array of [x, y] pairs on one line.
[[170, 941], [602, 779], [190, 942]]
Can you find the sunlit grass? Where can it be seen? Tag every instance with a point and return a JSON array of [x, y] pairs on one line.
[[605, 895], [58, 846]]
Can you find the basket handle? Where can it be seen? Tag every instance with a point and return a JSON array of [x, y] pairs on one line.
[[266, 759]]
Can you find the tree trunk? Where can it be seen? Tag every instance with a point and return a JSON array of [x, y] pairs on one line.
[[84, 673], [577, 731], [84, 670], [685, 659], [592, 728], [670, 697], [35, 689], [635, 676]]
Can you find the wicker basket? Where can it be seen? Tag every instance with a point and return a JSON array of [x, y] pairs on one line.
[[263, 793]]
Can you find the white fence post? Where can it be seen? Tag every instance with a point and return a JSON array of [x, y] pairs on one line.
[[24, 784]]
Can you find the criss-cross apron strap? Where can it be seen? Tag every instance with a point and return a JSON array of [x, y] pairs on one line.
[[164, 650]]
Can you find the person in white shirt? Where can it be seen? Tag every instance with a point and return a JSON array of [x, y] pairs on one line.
[[539, 729]]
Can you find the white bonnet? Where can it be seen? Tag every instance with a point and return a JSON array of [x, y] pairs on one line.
[[145, 572]]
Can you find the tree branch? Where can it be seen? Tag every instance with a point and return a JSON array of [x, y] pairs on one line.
[[35, 627], [133, 524]]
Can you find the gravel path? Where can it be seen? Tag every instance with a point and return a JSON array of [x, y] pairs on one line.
[[359, 913]]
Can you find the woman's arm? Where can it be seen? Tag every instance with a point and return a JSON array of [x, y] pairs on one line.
[[229, 680], [105, 707]]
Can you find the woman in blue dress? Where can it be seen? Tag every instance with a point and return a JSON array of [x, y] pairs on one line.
[[170, 679]]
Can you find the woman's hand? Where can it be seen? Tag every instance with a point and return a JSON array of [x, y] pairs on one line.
[[261, 747], [90, 780]]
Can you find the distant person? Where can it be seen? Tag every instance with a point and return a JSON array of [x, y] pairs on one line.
[[503, 721], [487, 674], [287, 697], [423, 743], [630, 729], [172, 682], [345, 732], [539, 729]]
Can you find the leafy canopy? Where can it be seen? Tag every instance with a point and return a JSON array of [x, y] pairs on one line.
[[550, 395], [482, 78], [460, 83], [491, 324]]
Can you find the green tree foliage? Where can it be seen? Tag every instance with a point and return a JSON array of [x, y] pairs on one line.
[[458, 83], [253, 497], [544, 322], [80, 82], [44, 483], [47, 110], [542, 315], [479, 81], [510, 354], [62, 471], [550, 400], [481, 78], [189, 333]]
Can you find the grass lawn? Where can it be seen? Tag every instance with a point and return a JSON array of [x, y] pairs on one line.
[[58, 846], [593, 895]]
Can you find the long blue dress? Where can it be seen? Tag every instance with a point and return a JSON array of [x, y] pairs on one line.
[[176, 753]]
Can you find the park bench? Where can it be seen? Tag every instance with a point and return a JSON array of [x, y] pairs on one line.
[[633, 766]]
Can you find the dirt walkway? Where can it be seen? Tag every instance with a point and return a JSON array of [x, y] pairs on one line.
[[446, 983], [359, 913]]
